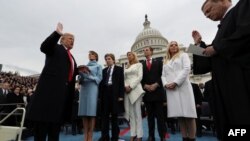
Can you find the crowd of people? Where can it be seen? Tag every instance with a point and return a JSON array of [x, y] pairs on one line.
[[13, 83], [157, 83], [13, 79], [15, 91]]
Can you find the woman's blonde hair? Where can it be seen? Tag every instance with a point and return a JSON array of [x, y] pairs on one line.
[[168, 56], [134, 61]]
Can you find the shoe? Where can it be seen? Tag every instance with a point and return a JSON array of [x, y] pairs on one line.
[[73, 133], [104, 139], [114, 138], [133, 138], [139, 139], [185, 139], [151, 139], [199, 134]]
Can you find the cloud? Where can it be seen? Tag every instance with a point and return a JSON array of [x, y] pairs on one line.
[[103, 26]]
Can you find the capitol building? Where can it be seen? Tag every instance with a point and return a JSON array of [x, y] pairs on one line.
[[152, 37]]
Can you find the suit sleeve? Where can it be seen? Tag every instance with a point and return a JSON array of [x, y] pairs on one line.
[[143, 76], [101, 85], [159, 81], [236, 47], [50, 43], [201, 65], [121, 86]]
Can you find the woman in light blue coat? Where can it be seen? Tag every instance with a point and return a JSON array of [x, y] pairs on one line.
[[90, 77]]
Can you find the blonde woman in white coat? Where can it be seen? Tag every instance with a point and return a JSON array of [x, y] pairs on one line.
[[133, 96], [180, 97]]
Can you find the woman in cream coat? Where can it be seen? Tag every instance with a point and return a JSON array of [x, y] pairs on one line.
[[133, 96], [180, 97]]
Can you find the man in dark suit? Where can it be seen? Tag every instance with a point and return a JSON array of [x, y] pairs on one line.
[[230, 63], [111, 95], [154, 96], [3, 94], [52, 101]]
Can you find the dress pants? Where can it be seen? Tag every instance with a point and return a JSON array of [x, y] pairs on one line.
[[44, 129], [135, 118], [155, 110], [108, 109]]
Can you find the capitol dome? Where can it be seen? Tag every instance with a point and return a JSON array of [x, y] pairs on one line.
[[148, 32], [149, 37]]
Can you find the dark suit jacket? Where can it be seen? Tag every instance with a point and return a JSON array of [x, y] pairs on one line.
[[118, 89], [151, 76], [52, 100], [3, 99], [201, 65]]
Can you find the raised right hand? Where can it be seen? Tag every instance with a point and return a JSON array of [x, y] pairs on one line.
[[196, 36], [59, 28]]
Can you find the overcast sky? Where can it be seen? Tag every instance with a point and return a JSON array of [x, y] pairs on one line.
[[100, 25]]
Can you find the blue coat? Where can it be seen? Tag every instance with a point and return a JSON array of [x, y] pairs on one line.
[[89, 89]]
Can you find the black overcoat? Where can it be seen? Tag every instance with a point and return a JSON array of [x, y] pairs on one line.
[[52, 100], [231, 68]]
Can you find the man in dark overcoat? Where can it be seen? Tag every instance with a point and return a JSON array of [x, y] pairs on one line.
[[229, 62], [51, 104]]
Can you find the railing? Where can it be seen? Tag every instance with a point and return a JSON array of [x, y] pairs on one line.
[[14, 113]]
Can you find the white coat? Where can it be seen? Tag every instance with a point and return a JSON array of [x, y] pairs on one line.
[[180, 101], [133, 77]]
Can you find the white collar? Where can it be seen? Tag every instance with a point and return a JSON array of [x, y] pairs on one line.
[[111, 66], [227, 11], [65, 47]]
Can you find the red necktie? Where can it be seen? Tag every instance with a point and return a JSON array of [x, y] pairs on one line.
[[71, 66], [148, 64]]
